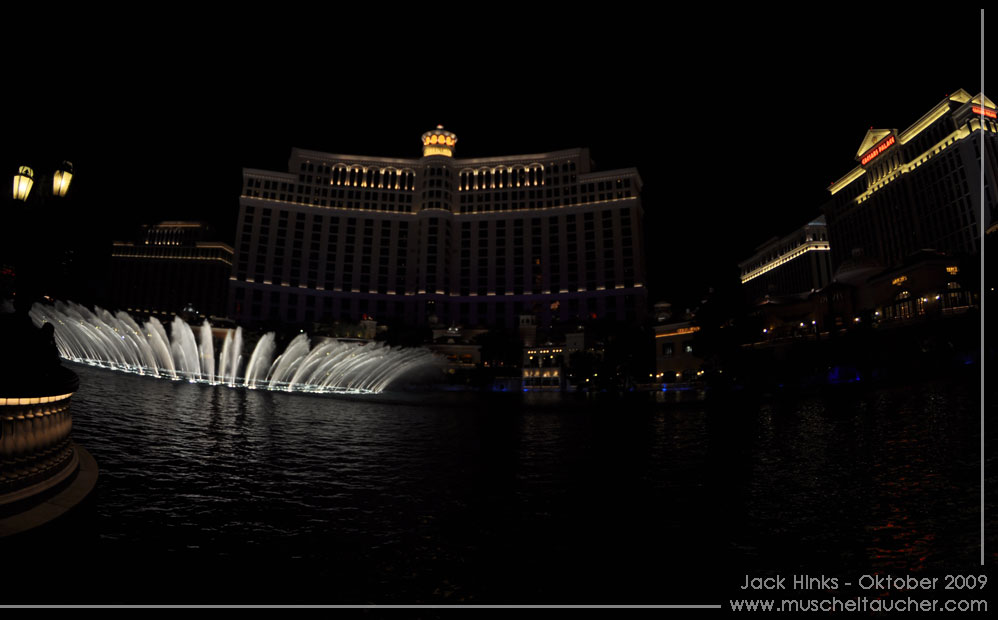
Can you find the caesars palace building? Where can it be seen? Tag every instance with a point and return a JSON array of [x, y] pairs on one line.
[[457, 241], [920, 188], [931, 186]]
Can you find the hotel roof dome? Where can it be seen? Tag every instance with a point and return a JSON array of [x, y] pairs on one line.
[[439, 141]]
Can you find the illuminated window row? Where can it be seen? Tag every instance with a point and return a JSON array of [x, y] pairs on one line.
[[784, 259], [149, 311], [355, 175], [402, 209], [381, 178], [400, 212], [577, 204], [172, 257], [341, 175], [530, 175], [547, 372]]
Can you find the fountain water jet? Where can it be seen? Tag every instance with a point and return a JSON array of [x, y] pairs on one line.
[[116, 341]]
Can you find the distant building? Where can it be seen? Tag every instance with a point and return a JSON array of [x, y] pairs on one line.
[[475, 242], [919, 188], [676, 359], [457, 345], [797, 263], [551, 366], [544, 368], [169, 268], [928, 285]]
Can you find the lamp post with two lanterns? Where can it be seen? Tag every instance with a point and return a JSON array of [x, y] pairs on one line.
[[43, 472], [24, 180], [35, 258]]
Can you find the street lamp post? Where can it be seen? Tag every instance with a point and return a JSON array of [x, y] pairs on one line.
[[31, 199], [43, 472]]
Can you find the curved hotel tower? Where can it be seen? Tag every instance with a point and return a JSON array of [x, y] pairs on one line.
[[460, 241]]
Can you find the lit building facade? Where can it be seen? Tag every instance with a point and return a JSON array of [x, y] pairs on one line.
[[675, 357], [797, 263], [168, 266], [919, 188], [439, 239], [927, 286], [544, 368]]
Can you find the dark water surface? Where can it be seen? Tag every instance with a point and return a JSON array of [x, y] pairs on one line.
[[215, 495]]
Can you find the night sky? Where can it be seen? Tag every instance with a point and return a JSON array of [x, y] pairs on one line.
[[737, 123]]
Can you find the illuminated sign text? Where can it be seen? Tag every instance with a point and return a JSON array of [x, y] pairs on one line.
[[680, 331], [877, 150], [985, 111]]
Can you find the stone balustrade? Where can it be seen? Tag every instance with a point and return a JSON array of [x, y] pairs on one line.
[[35, 447]]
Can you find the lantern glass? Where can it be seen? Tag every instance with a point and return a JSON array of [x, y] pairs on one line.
[[60, 182], [23, 181]]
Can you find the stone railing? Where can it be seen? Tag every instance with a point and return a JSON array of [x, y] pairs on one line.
[[34, 444], [36, 452]]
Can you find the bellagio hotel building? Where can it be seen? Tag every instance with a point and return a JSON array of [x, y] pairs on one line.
[[479, 241]]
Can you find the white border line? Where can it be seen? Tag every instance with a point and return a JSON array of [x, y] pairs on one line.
[[361, 606], [983, 290]]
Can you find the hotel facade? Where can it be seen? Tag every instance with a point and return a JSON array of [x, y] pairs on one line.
[[919, 188], [798, 263], [168, 266], [439, 239]]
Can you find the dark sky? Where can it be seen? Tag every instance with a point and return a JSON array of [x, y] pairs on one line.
[[736, 122]]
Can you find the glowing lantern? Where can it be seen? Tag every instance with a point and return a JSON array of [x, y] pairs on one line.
[[23, 181], [61, 179]]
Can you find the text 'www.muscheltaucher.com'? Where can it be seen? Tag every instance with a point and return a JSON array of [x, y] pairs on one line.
[[858, 603]]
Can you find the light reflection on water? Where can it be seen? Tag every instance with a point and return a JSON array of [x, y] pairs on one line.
[[524, 498], [884, 480]]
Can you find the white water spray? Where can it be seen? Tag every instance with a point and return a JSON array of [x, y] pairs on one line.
[[116, 341]]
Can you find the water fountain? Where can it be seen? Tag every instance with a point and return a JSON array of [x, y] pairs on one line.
[[116, 341]]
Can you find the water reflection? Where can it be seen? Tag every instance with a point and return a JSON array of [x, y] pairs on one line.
[[515, 498], [881, 480]]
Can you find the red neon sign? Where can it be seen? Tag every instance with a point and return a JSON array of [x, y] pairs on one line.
[[877, 150], [986, 112]]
